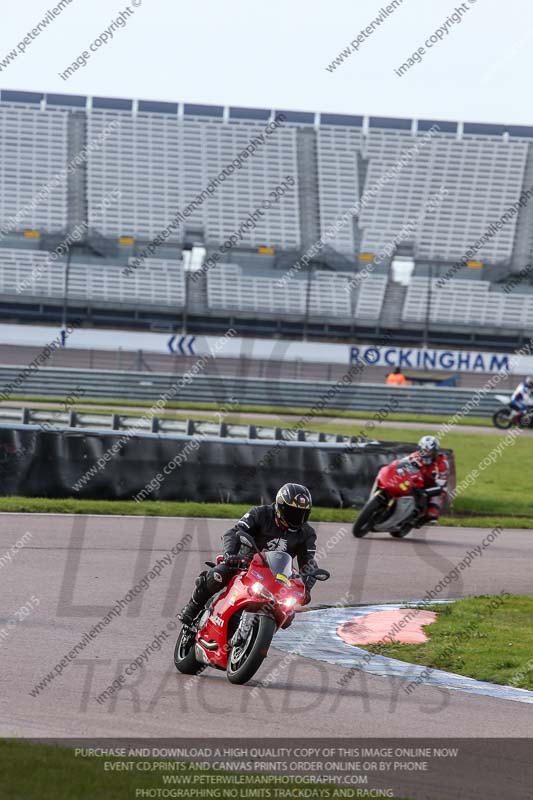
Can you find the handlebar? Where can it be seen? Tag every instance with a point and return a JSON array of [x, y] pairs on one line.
[[318, 573], [247, 540]]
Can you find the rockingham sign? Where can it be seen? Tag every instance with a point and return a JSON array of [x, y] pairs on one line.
[[448, 360], [385, 355]]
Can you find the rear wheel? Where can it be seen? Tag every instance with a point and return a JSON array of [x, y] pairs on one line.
[[245, 659], [367, 516], [503, 418], [184, 657]]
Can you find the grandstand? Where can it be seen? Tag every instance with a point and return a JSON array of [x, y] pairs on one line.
[[62, 157]]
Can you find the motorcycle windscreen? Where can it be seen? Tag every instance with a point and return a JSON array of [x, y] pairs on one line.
[[279, 563]]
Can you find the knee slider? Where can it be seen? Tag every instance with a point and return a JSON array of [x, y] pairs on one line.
[[215, 579], [200, 581]]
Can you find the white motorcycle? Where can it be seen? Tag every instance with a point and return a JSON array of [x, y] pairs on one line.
[[505, 417]]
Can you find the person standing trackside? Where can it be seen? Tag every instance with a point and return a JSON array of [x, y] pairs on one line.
[[396, 378]]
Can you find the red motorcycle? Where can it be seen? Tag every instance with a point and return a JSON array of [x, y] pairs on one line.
[[235, 629], [398, 501]]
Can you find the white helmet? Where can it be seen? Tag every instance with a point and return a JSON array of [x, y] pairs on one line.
[[428, 447]]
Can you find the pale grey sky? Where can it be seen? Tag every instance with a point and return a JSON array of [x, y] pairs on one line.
[[275, 54]]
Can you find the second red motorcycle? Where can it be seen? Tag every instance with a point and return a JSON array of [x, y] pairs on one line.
[[398, 502]]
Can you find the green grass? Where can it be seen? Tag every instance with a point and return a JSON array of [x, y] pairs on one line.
[[161, 508], [503, 489], [30, 771], [472, 637], [501, 493], [121, 406]]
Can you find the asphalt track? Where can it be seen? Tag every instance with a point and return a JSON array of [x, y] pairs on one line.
[[77, 567]]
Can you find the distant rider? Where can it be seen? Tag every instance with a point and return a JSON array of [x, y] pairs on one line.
[[522, 398], [434, 468], [281, 525]]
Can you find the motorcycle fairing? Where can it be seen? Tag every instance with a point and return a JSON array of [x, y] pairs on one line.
[[405, 508]]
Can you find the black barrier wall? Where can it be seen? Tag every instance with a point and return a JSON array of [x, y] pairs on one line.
[[120, 466]]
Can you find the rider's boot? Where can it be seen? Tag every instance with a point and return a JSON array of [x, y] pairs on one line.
[[199, 598]]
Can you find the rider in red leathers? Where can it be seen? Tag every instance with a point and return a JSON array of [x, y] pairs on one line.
[[433, 465]]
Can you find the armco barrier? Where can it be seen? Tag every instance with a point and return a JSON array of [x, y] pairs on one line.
[[37, 463], [251, 391]]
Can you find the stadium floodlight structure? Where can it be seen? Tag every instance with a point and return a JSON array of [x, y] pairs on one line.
[[425, 340], [92, 243], [194, 252]]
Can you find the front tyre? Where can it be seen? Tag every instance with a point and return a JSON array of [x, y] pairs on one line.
[[400, 534], [184, 658], [365, 520], [503, 419], [245, 659]]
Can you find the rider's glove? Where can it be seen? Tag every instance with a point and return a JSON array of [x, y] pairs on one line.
[[236, 560]]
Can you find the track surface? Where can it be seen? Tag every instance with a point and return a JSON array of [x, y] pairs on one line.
[[75, 562]]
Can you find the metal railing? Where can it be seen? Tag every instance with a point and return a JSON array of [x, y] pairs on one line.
[[48, 419], [135, 386]]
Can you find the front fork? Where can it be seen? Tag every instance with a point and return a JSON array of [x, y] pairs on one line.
[[245, 626], [386, 499], [243, 630]]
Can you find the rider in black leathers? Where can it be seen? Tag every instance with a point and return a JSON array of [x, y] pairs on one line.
[[281, 525]]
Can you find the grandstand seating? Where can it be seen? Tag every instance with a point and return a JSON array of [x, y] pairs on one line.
[[162, 156], [370, 297], [229, 288], [139, 158], [161, 164], [338, 180], [29, 273], [33, 158], [25, 273], [483, 177], [162, 159], [161, 283], [329, 296], [157, 282], [462, 302]]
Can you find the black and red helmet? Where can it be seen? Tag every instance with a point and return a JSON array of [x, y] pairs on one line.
[[293, 505]]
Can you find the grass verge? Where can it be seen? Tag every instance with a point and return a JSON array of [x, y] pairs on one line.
[[500, 493], [490, 639], [117, 406], [161, 508]]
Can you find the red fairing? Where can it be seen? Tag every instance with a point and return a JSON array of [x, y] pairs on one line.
[[401, 476], [240, 594]]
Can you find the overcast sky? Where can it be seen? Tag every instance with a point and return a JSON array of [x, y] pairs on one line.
[[275, 54]]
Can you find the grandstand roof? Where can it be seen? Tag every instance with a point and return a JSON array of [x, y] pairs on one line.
[[232, 112]]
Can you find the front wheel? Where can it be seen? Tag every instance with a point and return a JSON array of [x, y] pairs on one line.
[[503, 419], [400, 534], [184, 657], [365, 520], [245, 659]]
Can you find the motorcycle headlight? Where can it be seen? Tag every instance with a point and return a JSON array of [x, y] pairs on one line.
[[259, 589], [289, 602]]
